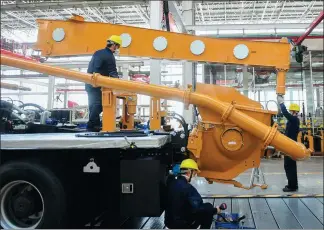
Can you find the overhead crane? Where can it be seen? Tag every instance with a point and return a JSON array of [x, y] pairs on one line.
[[229, 138]]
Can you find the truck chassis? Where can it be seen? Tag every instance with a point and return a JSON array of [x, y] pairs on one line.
[[57, 180]]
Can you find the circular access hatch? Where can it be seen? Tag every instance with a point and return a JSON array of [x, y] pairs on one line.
[[232, 139]]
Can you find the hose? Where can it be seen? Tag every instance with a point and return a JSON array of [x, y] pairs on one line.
[[8, 98], [19, 102], [266, 105], [183, 123], [32, 104]]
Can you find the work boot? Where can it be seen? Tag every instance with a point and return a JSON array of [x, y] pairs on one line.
[[93, 129], [287, 189]]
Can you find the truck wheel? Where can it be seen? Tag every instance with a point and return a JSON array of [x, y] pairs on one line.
[[31, 196]]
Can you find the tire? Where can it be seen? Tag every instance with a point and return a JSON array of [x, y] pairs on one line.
[[41, 193]]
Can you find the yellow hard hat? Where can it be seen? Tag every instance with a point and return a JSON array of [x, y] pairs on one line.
[[116, 39], [294, 107], [189, 164]]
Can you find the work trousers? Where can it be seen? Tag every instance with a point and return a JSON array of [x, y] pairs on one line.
[[204, 219], [95, 105], [291, 172]]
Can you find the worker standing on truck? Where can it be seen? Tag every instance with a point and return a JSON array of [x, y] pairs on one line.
[[185, 208], [292, 130], [103, 62]]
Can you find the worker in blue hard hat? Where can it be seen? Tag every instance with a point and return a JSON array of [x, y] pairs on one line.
[[103, 62], [292, 130], [184, 205]]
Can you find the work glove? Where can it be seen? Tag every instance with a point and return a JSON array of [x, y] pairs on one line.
[[217, 210], [280, 99]]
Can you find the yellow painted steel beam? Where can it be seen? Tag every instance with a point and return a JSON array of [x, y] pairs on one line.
[[77, 37]]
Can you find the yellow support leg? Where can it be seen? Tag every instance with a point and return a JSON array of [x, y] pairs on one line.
[[109, 110], [155, 117]]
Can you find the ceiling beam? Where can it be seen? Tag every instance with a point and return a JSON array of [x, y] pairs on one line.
[[281, 10], [116, 15], [69, 4], [22, 19], [137, 9], [249, 26], [264, 10]]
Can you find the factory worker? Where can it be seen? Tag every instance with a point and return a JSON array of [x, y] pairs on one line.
[[292, 130], [102, 62], [184, 206]]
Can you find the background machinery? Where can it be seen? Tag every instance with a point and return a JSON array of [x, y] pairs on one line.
[[119, 169]]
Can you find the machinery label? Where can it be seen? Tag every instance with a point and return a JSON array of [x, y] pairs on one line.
[[91, 167]]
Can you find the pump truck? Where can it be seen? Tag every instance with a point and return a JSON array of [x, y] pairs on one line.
[[70, 180]]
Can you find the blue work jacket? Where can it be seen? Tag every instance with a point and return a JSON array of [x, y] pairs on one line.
[[183, 201], [103, 62], [292, 126]]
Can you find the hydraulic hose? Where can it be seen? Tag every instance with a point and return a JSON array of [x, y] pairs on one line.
[[41, 109], [184, 124], [270, 135]]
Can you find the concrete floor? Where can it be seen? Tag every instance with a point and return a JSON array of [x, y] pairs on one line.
[[310, 179]]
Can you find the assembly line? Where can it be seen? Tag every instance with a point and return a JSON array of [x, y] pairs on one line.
[[216, 164]]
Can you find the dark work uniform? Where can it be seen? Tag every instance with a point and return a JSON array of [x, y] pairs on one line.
[[292, 129], [102, 62], [185, 208]]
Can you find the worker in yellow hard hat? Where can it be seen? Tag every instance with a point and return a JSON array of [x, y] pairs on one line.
[[184, 206], [103, 62], [292, 130]]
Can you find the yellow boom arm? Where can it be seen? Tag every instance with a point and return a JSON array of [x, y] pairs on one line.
[[77, 37], [268, 135]]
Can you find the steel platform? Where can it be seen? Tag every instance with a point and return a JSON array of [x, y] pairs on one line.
[[261, 213], [73, 141]]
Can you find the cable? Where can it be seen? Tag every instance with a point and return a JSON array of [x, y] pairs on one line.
[[266, 105], [184, 125], [19, 102], [32, 104], [166, 14], [9, 98]]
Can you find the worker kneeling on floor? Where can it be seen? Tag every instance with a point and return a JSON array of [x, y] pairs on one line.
[[185, 207]]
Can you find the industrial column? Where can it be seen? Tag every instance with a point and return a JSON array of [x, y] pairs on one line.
[[245, 81], [309, 87], [205, 72], [155, 23], [125, 68], [318, 97], [291, 97], [20, 97], [50, 94], [156, 9], [188, 69]]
